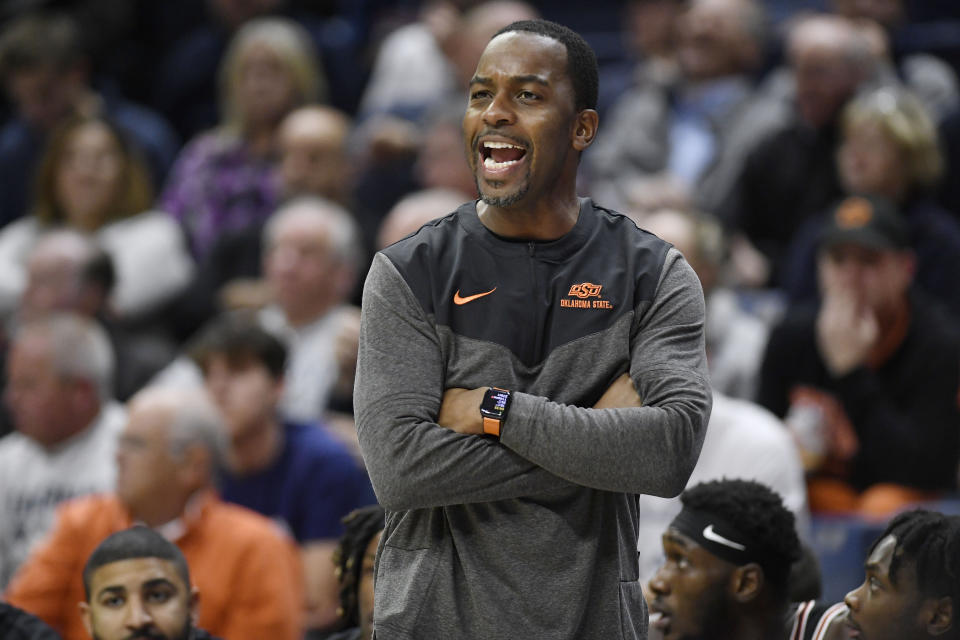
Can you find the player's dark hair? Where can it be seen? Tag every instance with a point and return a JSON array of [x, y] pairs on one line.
[[133, 543], [239, 338], [360, 526], [581, 60], [758, 512], [930, 541]]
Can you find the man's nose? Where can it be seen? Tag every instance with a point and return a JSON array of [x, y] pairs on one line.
[[852, 600], [659, 585], [498, 112], [138, 615]]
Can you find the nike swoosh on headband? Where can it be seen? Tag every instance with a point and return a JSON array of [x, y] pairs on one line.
[[711, 535]]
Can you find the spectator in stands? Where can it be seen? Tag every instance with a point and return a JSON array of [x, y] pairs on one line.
[[416, 210], [423, 64], [354, 559], [311, 258], [246, 569], [929, 77], [58, 390], [314, 155], [729, 554], [224, 179], [314, 161], [790, 175], [743, 440], [17, 624], [92, 180], [47, 74], [889, 149], [297, 474], [68, 272], [137, 585], [736, 337], [869, 379], [910, 589], [698, 130]]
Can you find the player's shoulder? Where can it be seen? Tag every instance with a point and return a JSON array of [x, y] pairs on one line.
[[813, 620]]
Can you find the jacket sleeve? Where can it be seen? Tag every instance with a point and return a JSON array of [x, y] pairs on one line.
[[652, 449], [43, 585], [413, 462]]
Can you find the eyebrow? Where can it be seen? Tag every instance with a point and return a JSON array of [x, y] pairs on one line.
[[112, 590], [158, 582], [524, 79], [675, 539]]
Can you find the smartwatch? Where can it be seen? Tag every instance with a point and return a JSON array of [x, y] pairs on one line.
[[493, 409]]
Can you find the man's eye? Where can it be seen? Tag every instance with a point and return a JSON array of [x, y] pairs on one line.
[[528, 95], [158, 596], [113, 601], [479, 95]]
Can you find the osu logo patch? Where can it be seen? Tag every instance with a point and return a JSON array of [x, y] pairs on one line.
[[854, 213], [579, 294], [585, 290]]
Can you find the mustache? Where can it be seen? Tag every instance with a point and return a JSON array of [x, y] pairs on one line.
[[146, 634]]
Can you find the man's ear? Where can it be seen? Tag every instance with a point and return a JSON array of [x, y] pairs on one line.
[[746, 582], [937, 615], [194, 605], [585, 129], [85, 616]]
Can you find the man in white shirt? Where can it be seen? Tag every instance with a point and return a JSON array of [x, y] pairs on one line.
[[60, 371]]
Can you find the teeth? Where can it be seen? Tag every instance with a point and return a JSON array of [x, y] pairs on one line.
[[490, 163], [501, 145], [655, 616]]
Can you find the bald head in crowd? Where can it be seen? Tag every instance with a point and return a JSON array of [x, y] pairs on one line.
[[66, 271], [830, 58], [719, 38], [170, 449], [415, 210], [313, 153]]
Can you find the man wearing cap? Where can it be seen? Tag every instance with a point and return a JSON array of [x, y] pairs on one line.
[[868, 379], [728, 558]]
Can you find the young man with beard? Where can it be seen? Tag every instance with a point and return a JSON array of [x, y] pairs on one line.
[[504, 350], [911, 588], [728, 558], [138, 586]]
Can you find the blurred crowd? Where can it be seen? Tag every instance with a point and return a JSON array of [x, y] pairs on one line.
[[191, 193]]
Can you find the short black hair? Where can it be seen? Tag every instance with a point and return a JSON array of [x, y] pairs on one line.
[[758, 512], [360, 526], [133, 543], [240, 338], [930, 541], [581, 60]]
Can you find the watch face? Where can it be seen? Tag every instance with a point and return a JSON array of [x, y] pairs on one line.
[[494, 402]]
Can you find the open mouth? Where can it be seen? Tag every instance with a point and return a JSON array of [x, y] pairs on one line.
[[500, 155], [852, 628], [660, 621]]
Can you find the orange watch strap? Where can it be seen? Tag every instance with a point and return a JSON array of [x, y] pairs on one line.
[[491, 426]]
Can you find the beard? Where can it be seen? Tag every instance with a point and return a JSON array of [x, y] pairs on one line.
[[505, 200], [152, 634]]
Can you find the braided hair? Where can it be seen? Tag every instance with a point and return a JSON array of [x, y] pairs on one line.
[[360, 526], [931, 542]]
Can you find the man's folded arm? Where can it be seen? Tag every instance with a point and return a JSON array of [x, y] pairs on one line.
[[650, 449], [413, 462]]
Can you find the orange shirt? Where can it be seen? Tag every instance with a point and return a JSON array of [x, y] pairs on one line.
[[247, 572]]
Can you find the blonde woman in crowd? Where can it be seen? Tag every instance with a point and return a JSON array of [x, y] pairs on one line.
[[224, 179]]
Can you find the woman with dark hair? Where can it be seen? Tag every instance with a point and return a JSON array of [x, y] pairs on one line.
[[354, 560], [92, 180]]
